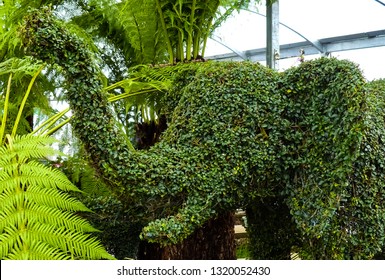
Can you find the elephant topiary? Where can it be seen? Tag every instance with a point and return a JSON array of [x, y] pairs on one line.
[[239, 133]]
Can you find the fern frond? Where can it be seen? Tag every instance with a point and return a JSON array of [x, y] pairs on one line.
[[20, 67], [142, 25], [38, 251], [29, 141], [87, 246], [38, 218], [29, 146], [74, 243], [9, 43], [35, 174], [11, 215], [52, 198], [58, 218], [15, 246], [8, 181], [44, 196], [9, 240]]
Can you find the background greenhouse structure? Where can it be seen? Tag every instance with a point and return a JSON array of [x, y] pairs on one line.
[[345, 29], [192, 129]]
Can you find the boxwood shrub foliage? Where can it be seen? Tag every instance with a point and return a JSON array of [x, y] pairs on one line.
[[372, 162], [239, 133]]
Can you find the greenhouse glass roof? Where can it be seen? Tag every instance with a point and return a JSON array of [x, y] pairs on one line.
[[351, 29]]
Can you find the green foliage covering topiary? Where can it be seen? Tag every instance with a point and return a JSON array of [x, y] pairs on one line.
[[309, 139], [196, 171], [222, 141], [373, 153], [333, 183], [326, 109]]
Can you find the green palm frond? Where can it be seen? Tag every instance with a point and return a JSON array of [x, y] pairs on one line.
[[37, 217]]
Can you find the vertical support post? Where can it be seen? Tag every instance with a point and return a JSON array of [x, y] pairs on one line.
[[272, 43]]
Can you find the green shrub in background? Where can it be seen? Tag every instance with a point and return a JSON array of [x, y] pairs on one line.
[[118, 233]]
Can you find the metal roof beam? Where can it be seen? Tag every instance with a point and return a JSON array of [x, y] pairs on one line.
[[380, 2], [239, 53], [334, 44], [315, 43]]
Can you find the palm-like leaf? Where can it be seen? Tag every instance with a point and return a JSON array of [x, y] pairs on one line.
[[37, 217]]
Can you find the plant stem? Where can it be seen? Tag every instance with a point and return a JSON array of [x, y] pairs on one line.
[[190, 33], [3, 122], [22, 105]]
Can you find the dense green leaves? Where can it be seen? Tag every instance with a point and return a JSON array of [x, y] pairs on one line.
[[327, 96], [186, 168], [332, 182], [178, 28]]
